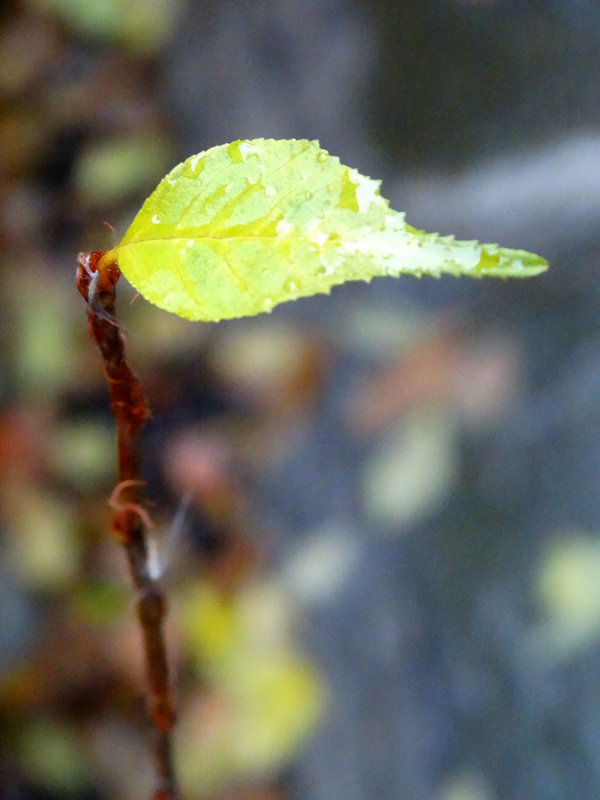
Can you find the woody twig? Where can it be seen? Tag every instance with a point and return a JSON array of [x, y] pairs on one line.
[[130, 523]]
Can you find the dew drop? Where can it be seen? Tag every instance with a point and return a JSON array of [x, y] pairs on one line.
[[195, 163], [321, 156], [324, 270], [292, 285], [189, 243], [267, 304], [155, 219]]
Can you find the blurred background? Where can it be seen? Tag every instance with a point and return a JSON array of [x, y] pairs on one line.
[[388, 583]]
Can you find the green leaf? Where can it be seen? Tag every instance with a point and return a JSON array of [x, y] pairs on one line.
[[107, 171], [244, 226], [141, 26]]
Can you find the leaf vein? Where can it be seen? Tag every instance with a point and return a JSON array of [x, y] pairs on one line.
[[243, 286], [232, 204]]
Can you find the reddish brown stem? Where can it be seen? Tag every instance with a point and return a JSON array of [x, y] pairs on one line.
[[130, 520]]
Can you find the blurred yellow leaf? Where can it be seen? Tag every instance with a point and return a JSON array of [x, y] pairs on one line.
[[42, 316], [265, 697], [463, 786], [568, 589], [82, 452], [142, 26], [413, 469], [50, 753], [210, 624], [110, 170], [44, 543], [278, 699], [101, 602]]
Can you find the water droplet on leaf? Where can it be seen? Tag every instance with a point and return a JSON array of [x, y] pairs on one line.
[[196, 163], [324, 269]]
